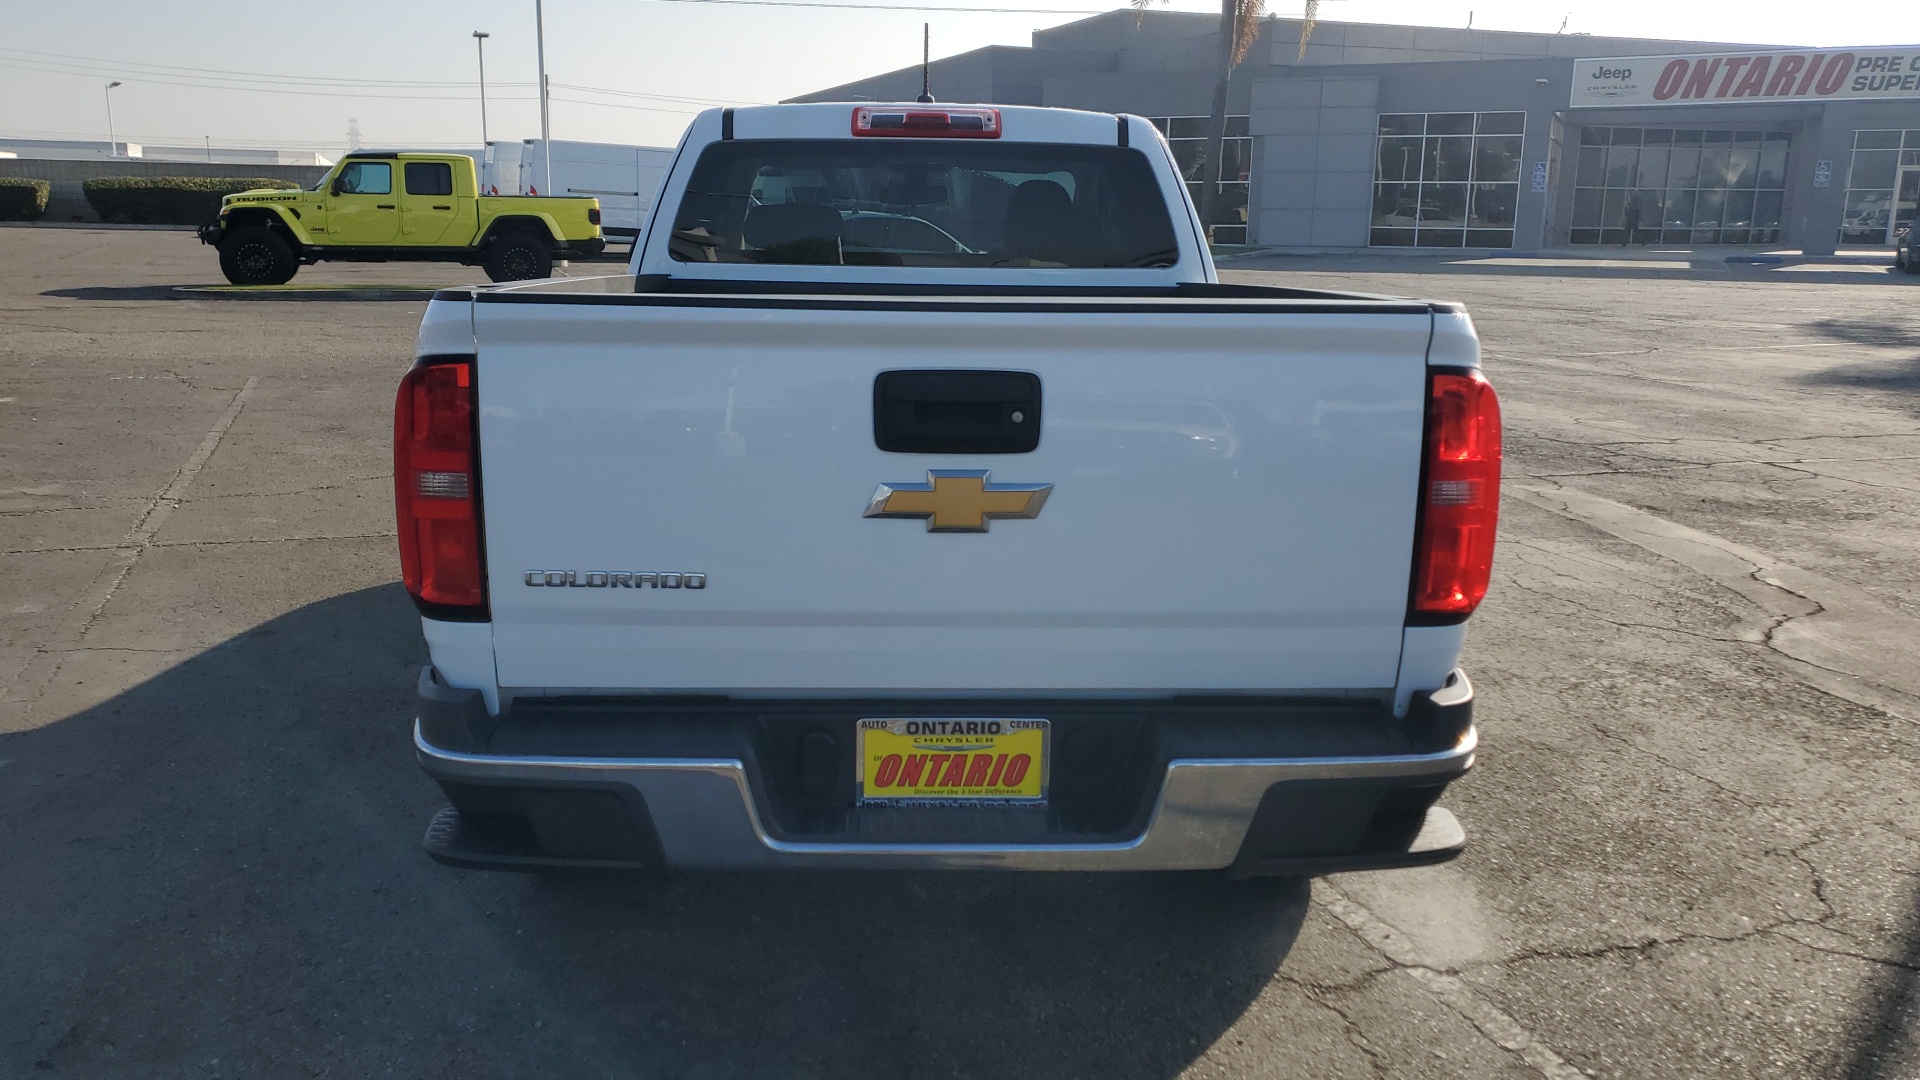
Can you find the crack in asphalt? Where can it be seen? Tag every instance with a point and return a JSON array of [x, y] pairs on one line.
[[389, 534], [1595, 614], [1646, 947], [110, 502], [1355, 1034], [110, 648], [1759, 580], [1865, 958], [1781, 622], [1339, 986], [1521, 550], [1492, 1022], [103, 504], [209, 543], [159, 376], [1450, 987], [1675, 468], [346, 483], [1737, 796], [44, 326], [1844, 438], [44, 550], [1798, 853]]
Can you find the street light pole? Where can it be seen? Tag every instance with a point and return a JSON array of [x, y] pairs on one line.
[[540, 47], [480, 42], [113, 144]]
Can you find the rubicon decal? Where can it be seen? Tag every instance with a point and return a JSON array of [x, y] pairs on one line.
[[613, 579]]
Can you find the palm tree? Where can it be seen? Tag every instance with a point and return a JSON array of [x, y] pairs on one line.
[[1239, 27]]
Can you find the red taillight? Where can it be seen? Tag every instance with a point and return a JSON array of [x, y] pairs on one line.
[[435, 486], [1460, 500], [926, 123], [593, 215]]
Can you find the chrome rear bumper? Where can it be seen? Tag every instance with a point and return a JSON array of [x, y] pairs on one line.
[[702, 812]]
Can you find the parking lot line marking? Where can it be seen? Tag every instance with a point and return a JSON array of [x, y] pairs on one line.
[[121, 558], [164, 503], [1495, 1023]]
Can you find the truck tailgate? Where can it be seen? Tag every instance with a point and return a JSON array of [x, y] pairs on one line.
[[1233, 498]]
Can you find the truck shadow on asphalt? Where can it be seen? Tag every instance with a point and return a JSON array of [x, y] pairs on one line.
[[1884, 1041], [117, 292], [218, 871], [329, 292]]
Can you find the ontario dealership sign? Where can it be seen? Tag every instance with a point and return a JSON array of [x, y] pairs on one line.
[[1801, 75]]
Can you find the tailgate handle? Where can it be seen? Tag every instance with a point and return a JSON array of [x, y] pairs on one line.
[[956, 412]]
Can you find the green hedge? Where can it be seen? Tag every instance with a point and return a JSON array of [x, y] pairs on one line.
[[167, 200], [22, 199]]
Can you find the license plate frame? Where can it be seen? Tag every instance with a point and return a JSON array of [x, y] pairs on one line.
[[885, 746]]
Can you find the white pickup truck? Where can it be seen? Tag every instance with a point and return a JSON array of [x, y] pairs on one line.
[[922, 499]]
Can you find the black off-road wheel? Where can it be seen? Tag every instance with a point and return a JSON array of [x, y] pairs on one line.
[[256, 255], [518, 256]]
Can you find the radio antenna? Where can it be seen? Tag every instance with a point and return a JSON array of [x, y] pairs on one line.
[[926, 63]]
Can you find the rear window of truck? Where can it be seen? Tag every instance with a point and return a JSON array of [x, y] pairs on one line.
[[927, 204]]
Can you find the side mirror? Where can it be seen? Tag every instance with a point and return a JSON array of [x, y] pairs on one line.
[[339, 185]]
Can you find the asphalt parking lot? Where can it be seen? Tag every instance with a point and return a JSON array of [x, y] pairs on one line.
[[1694, 824]]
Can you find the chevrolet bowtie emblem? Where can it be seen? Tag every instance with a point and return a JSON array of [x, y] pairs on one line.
[[958, 500]]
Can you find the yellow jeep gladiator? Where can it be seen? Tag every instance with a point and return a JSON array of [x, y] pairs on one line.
[[376, 207]]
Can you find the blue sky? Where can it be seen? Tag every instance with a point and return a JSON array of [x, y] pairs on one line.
[[293, 72]]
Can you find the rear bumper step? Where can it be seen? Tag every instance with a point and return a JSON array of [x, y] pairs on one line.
[[475, 842], [1270, 787]]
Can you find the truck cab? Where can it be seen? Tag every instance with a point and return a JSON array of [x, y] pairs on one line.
[[406, 200]]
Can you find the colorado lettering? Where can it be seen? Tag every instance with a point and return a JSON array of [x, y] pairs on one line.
[[612, 579]]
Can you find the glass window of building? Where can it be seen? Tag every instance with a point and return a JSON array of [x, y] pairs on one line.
[[1883, 187], [1187, 136], [1678, 186], [1447, 179]]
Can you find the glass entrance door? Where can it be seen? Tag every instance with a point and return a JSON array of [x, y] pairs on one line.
[[1906, 203]]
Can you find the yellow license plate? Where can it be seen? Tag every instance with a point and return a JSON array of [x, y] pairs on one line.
[[963, 760]]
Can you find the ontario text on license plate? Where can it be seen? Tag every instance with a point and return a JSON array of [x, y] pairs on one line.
[[953, 761]]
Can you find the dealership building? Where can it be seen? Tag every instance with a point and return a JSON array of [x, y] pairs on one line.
[[1396, 136]]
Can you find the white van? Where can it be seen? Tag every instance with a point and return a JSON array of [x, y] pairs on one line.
[[623, 178], [500, 168]]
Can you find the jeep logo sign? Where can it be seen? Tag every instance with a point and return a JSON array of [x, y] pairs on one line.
[[1735, 77]]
